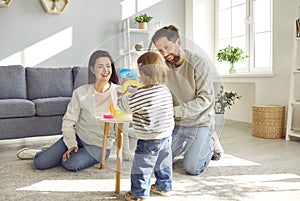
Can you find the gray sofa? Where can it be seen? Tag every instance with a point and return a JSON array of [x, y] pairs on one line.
[[33, 100]]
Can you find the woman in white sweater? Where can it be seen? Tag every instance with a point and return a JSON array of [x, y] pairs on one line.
[[80, 146]]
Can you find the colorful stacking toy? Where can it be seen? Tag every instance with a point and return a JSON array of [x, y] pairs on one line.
[[128, 87]]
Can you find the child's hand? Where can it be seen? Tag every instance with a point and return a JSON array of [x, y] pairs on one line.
[[130, 86], [123, 80], [131, 89], [120, 93]]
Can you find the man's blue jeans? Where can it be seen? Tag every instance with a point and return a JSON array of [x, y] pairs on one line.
[[195, 143], [151, 155], [87, 155]]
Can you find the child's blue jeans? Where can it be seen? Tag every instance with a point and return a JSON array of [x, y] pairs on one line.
[[151, 155]]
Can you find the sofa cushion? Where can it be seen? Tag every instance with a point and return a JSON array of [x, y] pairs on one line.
[[51, 106], [12, 82], [80, 76], [11, 108], [49, 82], [13, 128]]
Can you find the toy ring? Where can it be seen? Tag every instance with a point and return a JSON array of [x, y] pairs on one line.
[[128, 73], [130, 83], [117, 113]]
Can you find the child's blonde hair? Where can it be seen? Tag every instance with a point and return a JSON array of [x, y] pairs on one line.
[[154, 69]]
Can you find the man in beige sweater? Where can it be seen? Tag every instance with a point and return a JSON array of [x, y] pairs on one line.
[[190, 80]]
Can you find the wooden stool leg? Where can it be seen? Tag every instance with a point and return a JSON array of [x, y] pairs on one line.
[[119, 157], [106, 127]]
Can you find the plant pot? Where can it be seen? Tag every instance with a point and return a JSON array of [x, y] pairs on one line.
[[142, 25], [219, 123]]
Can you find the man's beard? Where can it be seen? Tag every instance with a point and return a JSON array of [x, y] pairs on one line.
[[174, 60]]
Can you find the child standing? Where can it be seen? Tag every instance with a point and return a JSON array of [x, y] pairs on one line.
[[152, 110]]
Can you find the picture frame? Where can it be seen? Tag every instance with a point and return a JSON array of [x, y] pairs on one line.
[[5, 3]]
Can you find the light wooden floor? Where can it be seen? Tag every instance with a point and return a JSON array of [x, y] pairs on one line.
[[277, 154]]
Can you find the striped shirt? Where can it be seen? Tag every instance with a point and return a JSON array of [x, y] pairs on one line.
[[152, 112]]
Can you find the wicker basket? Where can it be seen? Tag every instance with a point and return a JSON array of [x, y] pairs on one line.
[[268, 121]]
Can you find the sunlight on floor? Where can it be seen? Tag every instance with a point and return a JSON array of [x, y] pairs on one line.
[[260, 183], [229, 160], [103, 185], [241, 187], [275, 181]]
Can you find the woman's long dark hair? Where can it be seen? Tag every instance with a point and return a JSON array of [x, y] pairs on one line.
[[97, 54]]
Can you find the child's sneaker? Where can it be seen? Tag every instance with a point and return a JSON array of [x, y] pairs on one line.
[[26, 153], [130, 197], [153, 189], [218, 150]]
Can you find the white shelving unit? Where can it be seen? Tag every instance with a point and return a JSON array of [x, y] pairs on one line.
[[133, 36], [293, 115]]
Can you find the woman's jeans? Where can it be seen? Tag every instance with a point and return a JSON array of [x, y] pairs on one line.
[[151, 155], [195, 143], [86, 156]]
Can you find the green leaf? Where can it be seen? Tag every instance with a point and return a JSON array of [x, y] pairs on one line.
[[143, 18], [231, 54], [225, 100]]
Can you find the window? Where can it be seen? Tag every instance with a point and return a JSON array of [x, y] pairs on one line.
[[246, 24]]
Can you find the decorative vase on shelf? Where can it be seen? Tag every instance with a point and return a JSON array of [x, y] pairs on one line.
[[138, 47]]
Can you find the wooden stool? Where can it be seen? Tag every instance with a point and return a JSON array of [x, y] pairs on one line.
[[119, 149]]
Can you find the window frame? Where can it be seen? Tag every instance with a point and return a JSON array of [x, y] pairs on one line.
[[250, 41]]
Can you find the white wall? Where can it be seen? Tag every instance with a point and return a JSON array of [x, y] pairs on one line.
[[30, 36], [92, 22], [268, 89]]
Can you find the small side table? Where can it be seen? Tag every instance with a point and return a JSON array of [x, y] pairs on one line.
[[120, 123], [268, 121]]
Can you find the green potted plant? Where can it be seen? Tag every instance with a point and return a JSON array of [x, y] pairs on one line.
[[143, 20], [225, 100], [232, 55]]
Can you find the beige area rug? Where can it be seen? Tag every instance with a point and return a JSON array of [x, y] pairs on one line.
[[231, 178]]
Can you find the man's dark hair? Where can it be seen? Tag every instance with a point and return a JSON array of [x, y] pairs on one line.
[[171, 32]]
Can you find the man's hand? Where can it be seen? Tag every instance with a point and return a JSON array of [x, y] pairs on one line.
[[68, 152]]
